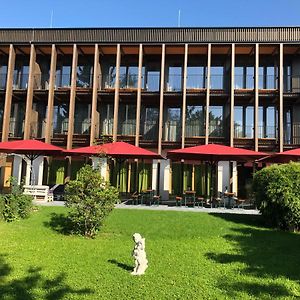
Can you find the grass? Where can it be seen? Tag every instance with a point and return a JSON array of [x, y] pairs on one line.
[[191, 256]]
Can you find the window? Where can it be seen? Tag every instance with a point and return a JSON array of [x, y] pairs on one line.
[[172, 129], [217, 78], [195, 77], [175, 79], [216, 121], [194, 125]]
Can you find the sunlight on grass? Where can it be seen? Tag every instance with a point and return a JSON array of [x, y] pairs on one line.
[[191, 256]]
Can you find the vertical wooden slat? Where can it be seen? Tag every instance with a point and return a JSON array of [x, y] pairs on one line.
[[256, 97], [207, 94], [29, 99], [49, 120], [161, 98], [117, 90], [281, 97], [95, 96], [232, 96], [186, 49], [139, 97], [8, 94], [72, 97]]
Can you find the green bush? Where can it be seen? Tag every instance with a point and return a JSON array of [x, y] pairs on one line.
[[15, 205], [277, 195], [91, 199]]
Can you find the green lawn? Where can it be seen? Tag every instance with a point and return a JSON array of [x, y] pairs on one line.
[[191, 256]]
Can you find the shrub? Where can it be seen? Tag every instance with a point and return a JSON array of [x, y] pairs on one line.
[[15, 205], [91, 199], [277, 195]]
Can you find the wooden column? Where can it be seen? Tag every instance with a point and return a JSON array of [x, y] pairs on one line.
[[139, 97], [207, 93], [232, 96], [256, 97], [161, 98], [8, 94], [49, 120], [95, 114], [186, 50], [281, 98], [117, 90], [29, 99], [72, 97]]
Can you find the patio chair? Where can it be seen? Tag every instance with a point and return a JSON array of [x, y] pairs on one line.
[[178, 200], [135, 198], [200, 200], [155, 200]]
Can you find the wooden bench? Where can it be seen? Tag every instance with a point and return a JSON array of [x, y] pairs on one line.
[[38, 192]]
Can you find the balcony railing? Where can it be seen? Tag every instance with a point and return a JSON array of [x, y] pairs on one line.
[[16, 128], [243, 131], [174, 83], [244, 82], [38, 129], [41, 81], [268, 82], [84, 81], [195, 81], [150, 130], [107, 127], [172, 131], [152, 82], [82, 127], [2, 81], [61, 127], [20, 81], [267, 132], [63, 80], [217, 82], [194, 128], [127, 127]]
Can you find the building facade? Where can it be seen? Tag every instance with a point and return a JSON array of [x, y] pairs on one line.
[[158, 88]]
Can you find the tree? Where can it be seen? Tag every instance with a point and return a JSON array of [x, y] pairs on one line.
[[90, 199]]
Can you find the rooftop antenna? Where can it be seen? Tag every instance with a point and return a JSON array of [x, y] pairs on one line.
[[179, 15], [51, 19]]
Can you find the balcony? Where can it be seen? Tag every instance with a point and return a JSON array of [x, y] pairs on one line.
[[128, 128], [242, 82], [20, 81], [267, 82], [217, 82], [150, 130], [107, 127], [243, 131], [16, 128], [82, 127], [63, 81], [174, 83], [194, 128], [195, 82], [61, 127]]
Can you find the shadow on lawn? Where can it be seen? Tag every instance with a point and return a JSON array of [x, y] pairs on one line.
[[121, 265], [266, 254], [59, 223], [26, 288]]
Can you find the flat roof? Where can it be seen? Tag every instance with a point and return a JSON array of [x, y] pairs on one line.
[[150, 35]]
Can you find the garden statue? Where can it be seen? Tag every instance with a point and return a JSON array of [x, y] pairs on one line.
[[139, 254]]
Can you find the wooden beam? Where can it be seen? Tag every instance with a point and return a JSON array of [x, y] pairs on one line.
[[281, 135], [231, 137], [186, 51], [256, 97], [72, 98], [9, 92], [161, 97], [207, 94], [29, 99], [51, 96], [139, 97]]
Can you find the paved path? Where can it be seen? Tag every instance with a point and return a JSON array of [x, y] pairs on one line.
[[169, 208]]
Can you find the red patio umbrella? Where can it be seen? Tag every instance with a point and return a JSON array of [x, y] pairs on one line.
[[213, 153], [115, 150], [30, 148], [119, 150], [283, 157]]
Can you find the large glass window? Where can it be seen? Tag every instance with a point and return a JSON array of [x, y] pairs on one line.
[[149, 123], [172, 125], [249, 126], [127, 119], [82, 119], [63, 76], [244, 77], [238, 122], [267, 77], [195, 77], [21, 74], [153, 80], [61, 118], [107, 119], [217, 78], [216, 121], [84, 76], [194, 125], [175, 79], [16, 124]]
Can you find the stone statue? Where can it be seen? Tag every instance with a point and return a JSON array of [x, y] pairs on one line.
[[139, 254]]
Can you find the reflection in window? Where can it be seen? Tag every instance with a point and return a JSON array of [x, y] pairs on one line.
[[216, 121], [149, 123], [267, 77], [217, 78], [175, 79], [152, 80], [244, 77], [127, 119], [63, 76], [61, 118], [107, 118], [194, 125], [82, 121], [195, 77], [172, 128], [3, 73], [84, 76]]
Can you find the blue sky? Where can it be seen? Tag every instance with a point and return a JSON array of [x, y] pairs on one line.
[[153, 13]]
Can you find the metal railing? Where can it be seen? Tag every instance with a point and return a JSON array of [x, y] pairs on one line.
[[172, 131]]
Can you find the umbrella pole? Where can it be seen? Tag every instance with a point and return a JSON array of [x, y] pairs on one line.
[[143, 170], [182, 177]]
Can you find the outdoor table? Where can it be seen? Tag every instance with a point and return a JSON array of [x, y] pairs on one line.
[[147, 194], [230, 199], [189, 195]]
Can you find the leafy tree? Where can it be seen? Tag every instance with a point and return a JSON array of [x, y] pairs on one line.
[[277, 195], [90, 199]]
